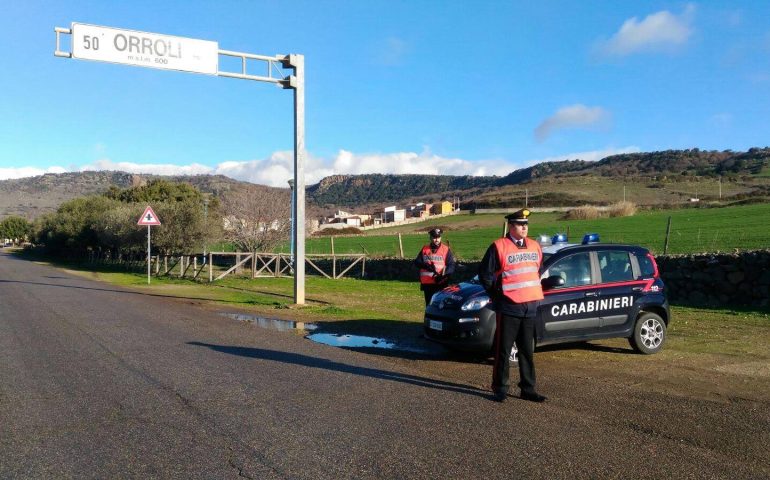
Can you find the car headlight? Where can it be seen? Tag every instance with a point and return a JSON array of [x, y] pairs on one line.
[[475, 303]]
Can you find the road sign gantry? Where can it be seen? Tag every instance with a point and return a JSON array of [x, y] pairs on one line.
[[143, 49]]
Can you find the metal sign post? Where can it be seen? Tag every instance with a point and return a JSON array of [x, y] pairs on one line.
[[148, 218], [142, 49]]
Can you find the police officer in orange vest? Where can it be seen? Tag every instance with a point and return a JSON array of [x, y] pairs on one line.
[[510, 273], [436, 264]]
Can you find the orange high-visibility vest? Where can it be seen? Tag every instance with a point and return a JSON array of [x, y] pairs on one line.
[[520, 269], [438, 259]]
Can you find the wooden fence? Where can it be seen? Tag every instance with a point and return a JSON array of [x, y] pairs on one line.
[[221, 264]]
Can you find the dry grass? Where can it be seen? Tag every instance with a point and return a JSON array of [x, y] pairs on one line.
[[586, 212], [622, 209]]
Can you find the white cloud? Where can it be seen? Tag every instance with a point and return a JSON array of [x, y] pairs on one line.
[[157, 169], [572, 116], [277, 169], [392, 52], [21, 172], [658, 31]]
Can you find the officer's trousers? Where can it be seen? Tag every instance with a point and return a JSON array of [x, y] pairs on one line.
[[429, 290], [522, 331]]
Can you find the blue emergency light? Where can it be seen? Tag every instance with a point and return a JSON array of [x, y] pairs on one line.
[[544, 240], [559, 238], [590, 238]]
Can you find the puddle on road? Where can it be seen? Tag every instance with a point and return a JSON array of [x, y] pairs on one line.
[[272, 323], [332, 339], [341, 340]]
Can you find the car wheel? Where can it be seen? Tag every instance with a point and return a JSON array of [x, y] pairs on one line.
[[649, 334]]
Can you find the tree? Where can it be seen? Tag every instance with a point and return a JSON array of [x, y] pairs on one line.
[[15, 227], [156, 191], [184, 228], [257, 219], [72, 226]]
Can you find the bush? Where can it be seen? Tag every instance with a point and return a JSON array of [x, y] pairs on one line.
[[589, 212], [330, 232], [622, 209], [586, 212]]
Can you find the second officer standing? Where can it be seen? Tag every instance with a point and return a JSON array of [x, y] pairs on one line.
[[436, 264]]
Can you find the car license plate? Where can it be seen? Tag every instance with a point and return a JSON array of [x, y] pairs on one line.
[[436, 325]]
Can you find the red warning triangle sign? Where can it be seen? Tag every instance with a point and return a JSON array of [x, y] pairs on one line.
[[148, 217]]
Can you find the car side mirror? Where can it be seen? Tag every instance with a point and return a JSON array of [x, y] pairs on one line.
[[552, 282]]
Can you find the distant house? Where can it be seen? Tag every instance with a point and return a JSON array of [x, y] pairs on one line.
[[351, 219], [440, 208], [420, 210], [393, 214]]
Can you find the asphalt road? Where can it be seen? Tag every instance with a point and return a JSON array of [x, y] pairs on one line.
[[101, 382]]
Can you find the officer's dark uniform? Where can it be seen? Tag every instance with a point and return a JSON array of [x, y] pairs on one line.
[[439, 280], [515, 321]]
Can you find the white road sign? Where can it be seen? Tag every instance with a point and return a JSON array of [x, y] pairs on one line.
[[148, 217], [91, 42]]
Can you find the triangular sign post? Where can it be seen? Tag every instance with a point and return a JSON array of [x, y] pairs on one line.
[[148, 218]]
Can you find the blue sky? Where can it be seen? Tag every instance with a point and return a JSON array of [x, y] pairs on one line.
[[439, 87]]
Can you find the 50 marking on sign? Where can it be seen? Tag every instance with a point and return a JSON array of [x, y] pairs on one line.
[[90, 43]]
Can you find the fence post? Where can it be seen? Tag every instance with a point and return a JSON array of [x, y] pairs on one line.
[[505, 228], [211, 267], [334, 259], [668, 232], [400, 246], [195, 266]]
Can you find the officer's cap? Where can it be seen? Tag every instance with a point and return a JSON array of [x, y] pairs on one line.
[[519, 216], [435, 233]]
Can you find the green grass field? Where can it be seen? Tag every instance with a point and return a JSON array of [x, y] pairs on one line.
[[693, 230]]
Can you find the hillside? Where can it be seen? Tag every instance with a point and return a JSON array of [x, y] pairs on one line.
[[34, 196], [671, 176], [653, 178]]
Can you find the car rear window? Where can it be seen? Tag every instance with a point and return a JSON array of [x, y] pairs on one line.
[[615, 266], [646, 266]]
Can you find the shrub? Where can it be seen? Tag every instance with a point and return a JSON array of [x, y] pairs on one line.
[[622, 209], [330, 232], [586, 212]]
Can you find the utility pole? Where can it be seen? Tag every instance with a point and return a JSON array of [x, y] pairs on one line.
[[291, 190]]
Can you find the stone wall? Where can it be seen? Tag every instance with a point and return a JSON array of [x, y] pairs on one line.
[[739, 280], [735, 279]]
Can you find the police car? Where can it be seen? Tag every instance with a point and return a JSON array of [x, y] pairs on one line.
[[592, 291]]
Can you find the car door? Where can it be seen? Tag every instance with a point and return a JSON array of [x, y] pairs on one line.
[[565, 311], [618, 290]]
